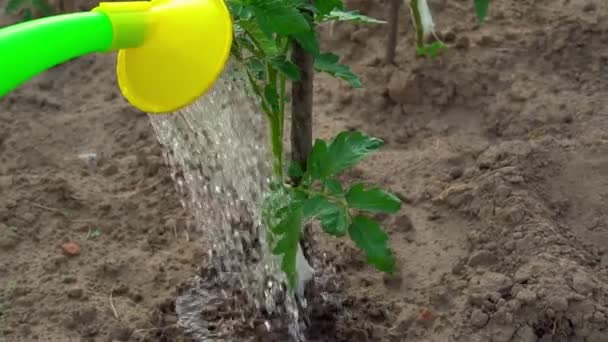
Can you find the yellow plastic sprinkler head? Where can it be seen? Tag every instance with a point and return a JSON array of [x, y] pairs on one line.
[[170, 52], [186, 44]]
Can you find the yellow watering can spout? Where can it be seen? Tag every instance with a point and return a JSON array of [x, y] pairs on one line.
[[170, 52], [177, 57]]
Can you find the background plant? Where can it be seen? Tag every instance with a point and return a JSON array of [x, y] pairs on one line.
[[28, 8], [424, 26]]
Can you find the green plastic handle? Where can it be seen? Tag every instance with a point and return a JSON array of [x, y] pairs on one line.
[[30, 48]]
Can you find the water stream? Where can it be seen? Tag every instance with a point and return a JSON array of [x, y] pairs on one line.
[[220, 164]]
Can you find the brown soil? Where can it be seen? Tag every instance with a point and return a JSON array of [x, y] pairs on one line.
[[498, 148]]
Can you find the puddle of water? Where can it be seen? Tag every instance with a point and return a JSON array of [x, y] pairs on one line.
[[220, 164]]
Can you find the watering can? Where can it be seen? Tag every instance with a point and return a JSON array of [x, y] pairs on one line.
[[170, 52]]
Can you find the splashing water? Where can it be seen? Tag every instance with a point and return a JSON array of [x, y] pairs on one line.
[[217, 152]]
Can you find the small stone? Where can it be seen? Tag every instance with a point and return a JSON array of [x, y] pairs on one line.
[[449, 37], [525, 334], [559, 303], [589, 7], [582, 284], [460, 266], [526, 296], [462, 43], [110, 170], [456, 172], [598, 317], [522, 275], [490, 283], [75, 293], [482, 258], [479, 319], [69, 280], [404, 223], [9, 237], [393, 281], [70, 248]]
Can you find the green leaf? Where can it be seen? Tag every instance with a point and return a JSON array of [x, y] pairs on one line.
[[266, 44], [239, 10], [326, 6], [369, 237], [316, 164], [374, 199], [334, 187], [347, 149], [308, 41], [333, 216], [295, 170], [277, 16], [481, 9], [286, 67], [287, 246], [256, 67], [352, 16], [431, 50], [328, 63], [13, 5]]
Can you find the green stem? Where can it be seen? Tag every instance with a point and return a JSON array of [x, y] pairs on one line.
[[276, 129], [418, 23]]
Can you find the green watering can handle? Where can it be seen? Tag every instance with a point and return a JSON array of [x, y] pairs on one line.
[[44, 43]]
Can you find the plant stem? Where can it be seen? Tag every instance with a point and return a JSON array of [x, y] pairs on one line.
[[418, 23], [276, 127]]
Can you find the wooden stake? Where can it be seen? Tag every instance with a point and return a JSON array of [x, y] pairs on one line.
[[301, 121], [393, 30]]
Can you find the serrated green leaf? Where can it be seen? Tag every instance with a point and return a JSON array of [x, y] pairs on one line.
[[481, 9], [326, 6], [347, 149], [256, 67], [328, 63], [332, 216], [372, 199], [287, 245], [239, 10], [352, 16], [13, 5], [277, 16], [308, 41], [431, 50], [316, 165], [334, 187], [369, 237], [265, 43], [287, 68]]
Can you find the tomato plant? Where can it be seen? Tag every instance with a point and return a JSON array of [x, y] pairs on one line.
[[265, 34], [424, 26]]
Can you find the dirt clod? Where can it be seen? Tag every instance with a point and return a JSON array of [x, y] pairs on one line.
[[70, 248]]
